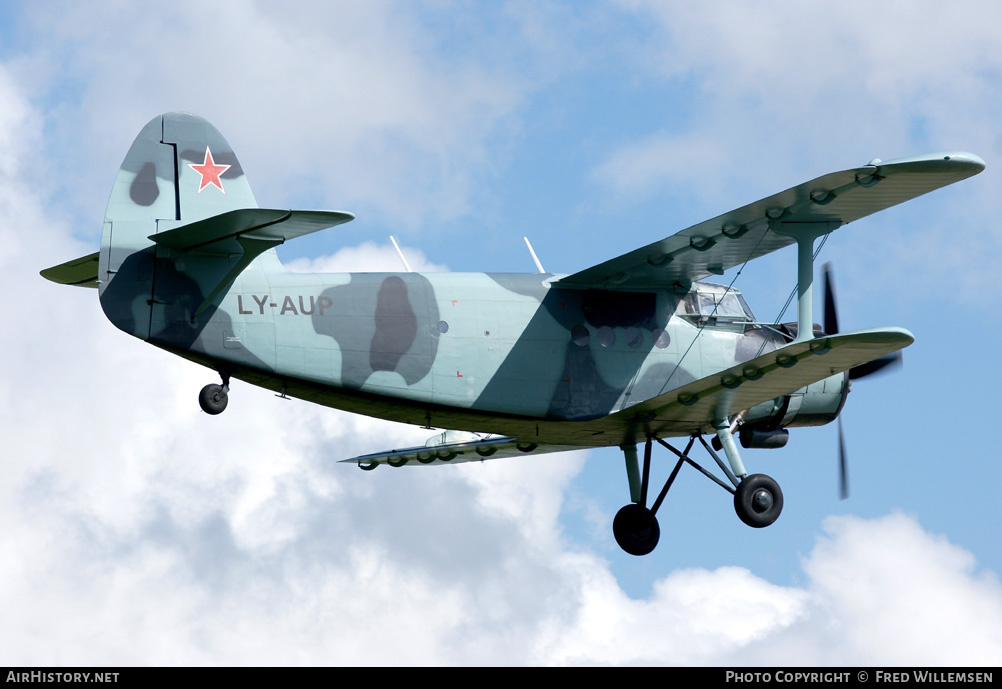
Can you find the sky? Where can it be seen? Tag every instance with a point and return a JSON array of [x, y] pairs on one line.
[[138, 530]]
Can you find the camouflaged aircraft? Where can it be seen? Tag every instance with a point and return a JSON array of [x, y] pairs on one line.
[[634, 350]]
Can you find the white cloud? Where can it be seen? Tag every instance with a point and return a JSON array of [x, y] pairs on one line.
[[776, 92], [693, 617], [885, 592], [368, 257]]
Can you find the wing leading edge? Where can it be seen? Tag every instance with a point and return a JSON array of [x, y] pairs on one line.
[[713, 246]]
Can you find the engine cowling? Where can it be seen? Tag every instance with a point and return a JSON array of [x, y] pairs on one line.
[[815, 405]]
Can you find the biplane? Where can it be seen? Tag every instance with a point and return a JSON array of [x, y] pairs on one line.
[[637, 350]]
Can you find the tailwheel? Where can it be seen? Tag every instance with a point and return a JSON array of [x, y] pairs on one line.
[[212, 399], [758, 500], [636, 529]]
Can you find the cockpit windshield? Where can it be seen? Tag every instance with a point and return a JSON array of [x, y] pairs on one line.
[[709, 303]]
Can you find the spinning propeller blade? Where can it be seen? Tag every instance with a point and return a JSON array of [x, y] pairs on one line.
[[843, 471], [855, 373], [831, 314], [871, 367]]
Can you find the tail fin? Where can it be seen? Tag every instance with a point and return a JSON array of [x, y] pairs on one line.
[[179, 170], [208, 178]]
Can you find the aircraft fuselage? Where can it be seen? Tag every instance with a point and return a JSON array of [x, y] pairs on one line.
[[473, 351]]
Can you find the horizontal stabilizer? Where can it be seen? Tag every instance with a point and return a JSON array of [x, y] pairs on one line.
[[244, 234], [81, 272], [452, 453], [221, 233], [713, 246], [780, 372]]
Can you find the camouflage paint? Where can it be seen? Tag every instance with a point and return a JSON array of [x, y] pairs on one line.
[[504, 353]]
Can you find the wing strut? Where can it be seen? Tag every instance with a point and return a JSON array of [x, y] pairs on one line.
[[804, 233]]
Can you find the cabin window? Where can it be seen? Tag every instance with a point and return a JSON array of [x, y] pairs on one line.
[[633, 336]]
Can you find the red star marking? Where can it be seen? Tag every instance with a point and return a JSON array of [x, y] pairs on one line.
[[210, 172]]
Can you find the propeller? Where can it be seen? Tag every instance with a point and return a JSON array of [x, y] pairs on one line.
[[863, 370], [831, 328], [855, 373]]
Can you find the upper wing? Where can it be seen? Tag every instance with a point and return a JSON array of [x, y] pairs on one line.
[[712, 247]]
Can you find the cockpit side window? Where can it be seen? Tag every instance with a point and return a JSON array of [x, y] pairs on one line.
[[690, 305], [744, 305], [707, 306]]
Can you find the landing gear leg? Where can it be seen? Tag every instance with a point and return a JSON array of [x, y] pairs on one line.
[[635, 527], [758, 500], [213, 399]]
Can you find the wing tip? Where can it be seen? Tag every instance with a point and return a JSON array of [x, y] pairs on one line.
[[955, 161]]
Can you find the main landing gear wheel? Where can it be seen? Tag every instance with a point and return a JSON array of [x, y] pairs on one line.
[[636, 529], [212, 399], [758, 500]]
